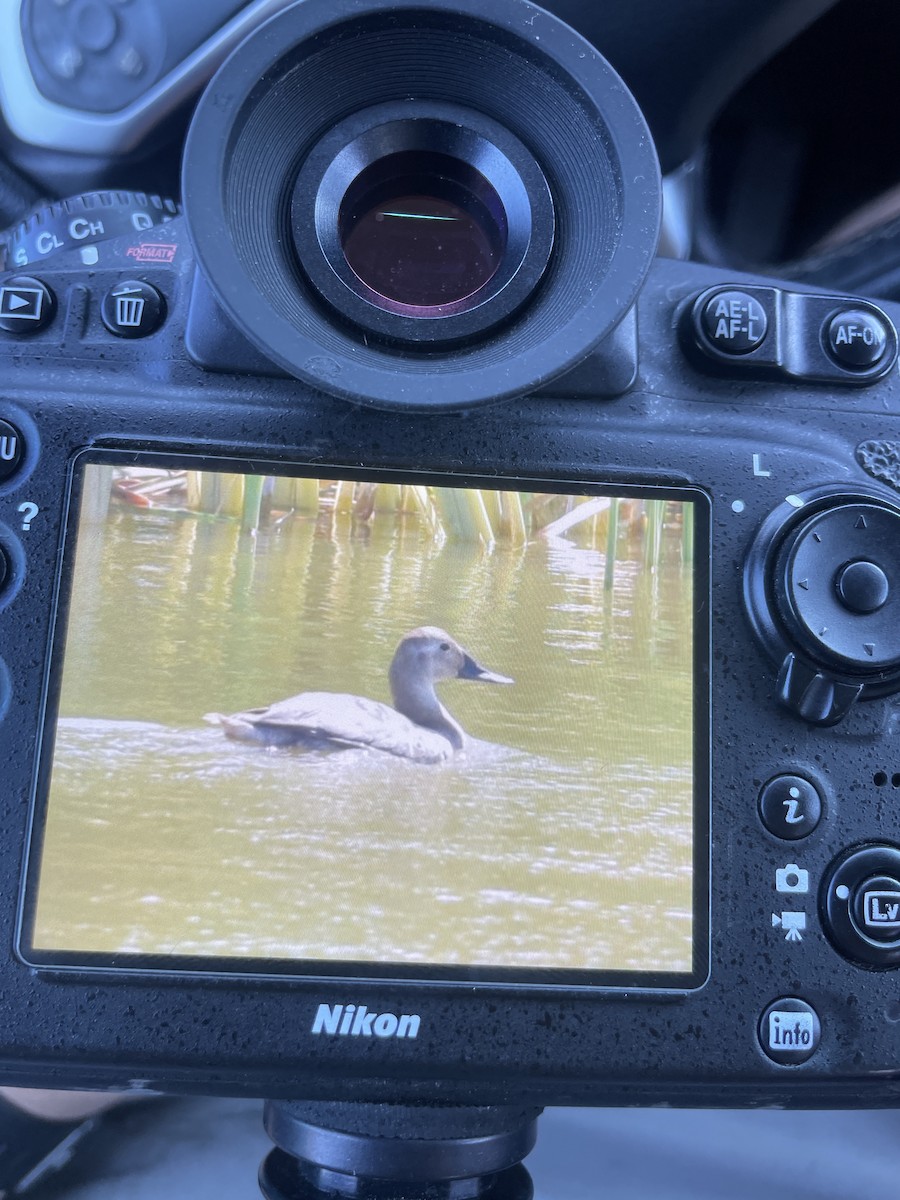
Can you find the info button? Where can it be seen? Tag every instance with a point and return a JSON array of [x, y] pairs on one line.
[[789, 1031]]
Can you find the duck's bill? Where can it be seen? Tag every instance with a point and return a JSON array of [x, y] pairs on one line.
[[471, 670]]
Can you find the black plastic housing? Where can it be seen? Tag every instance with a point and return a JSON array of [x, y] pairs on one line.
[[590, 381], [748, 444]]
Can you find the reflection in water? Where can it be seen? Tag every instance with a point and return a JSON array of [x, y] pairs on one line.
[[561, 839]]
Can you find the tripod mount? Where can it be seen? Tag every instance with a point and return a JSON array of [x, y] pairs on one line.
[[356, 1151]]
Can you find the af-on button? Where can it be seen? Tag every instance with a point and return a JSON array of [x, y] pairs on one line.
[[857, 340]]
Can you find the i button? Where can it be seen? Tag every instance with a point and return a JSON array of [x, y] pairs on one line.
[[790, 807]]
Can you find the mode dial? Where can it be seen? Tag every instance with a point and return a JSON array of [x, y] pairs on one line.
[[823, 592], [81, 222]]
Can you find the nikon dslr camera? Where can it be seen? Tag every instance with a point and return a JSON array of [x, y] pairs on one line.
[[448, 653]]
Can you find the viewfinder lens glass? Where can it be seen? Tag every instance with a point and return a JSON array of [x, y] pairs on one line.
[[423, 230]]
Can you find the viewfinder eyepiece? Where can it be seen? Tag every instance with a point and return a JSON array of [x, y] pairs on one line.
[[421, 204], [422, 222]]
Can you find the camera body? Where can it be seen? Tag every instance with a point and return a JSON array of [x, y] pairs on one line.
[[755, 427]]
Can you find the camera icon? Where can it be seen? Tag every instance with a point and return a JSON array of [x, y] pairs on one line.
[[792, 879]]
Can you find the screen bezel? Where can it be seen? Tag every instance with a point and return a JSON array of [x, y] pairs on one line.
[[316, 970]]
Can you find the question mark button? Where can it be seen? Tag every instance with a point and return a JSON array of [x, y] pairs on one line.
[[29, 511]]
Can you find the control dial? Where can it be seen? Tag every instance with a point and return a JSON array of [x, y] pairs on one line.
[[80, 223], [822, 588]]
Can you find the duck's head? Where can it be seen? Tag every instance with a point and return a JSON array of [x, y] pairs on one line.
[[429, 654]]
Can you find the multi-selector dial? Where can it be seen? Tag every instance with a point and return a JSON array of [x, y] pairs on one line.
[[823, 593], [837, 585]]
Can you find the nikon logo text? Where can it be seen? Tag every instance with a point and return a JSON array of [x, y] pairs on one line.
[[348, 1020]]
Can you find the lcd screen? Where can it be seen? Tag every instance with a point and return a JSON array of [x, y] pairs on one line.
[[375, 726]]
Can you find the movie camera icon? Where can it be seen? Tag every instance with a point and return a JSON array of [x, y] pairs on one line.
[[793, 924]]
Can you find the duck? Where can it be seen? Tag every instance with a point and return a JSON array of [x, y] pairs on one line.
[[418, 727]]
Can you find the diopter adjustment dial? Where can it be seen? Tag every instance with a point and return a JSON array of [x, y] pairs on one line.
[[82, 222], [823, 593]]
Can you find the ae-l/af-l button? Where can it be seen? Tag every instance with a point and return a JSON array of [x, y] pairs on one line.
[[735, 322]]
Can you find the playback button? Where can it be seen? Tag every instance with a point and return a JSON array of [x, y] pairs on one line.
[[26, 305]]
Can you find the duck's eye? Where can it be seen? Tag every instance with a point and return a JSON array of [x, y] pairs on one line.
[[445, 646]]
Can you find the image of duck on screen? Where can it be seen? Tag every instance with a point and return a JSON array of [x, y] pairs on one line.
[[370, 725]]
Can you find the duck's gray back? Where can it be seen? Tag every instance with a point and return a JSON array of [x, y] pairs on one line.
[[321, 719]]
